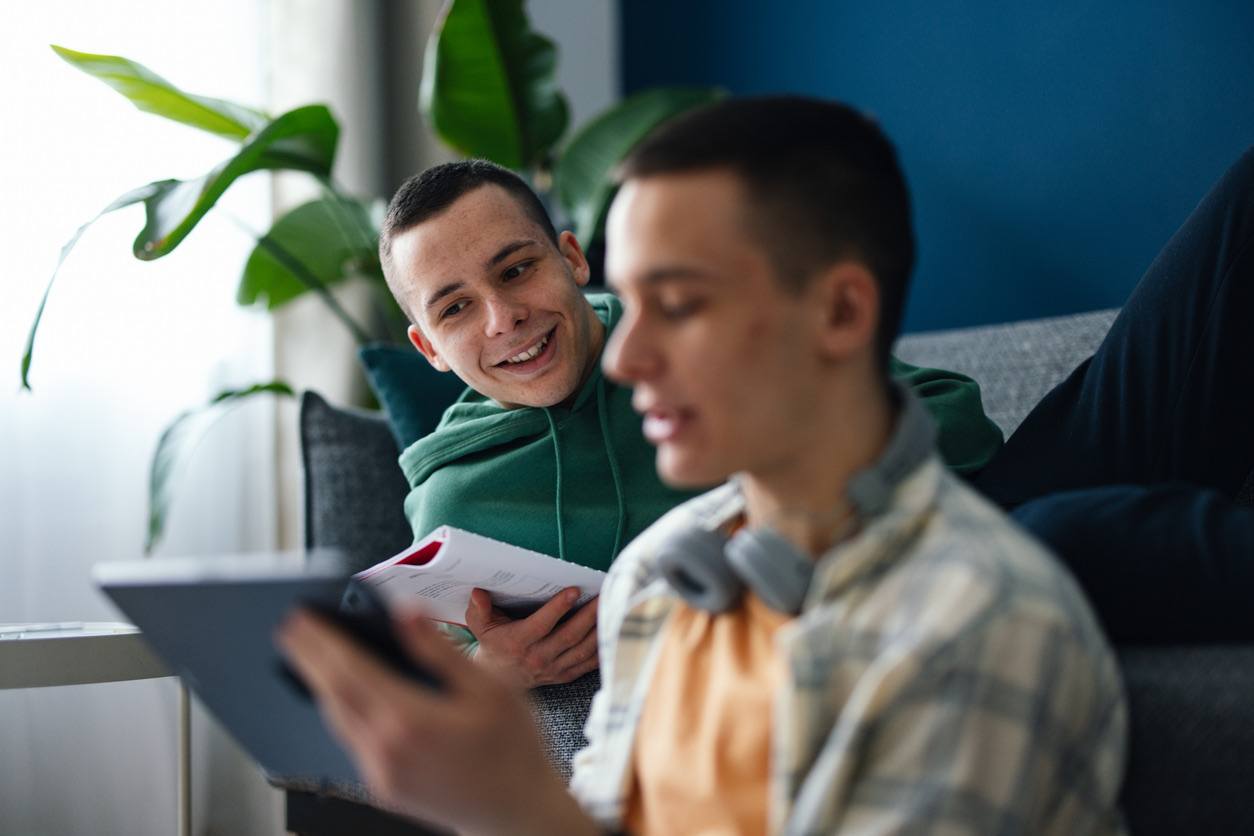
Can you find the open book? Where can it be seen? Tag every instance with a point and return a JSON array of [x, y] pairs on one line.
[[436, 575]]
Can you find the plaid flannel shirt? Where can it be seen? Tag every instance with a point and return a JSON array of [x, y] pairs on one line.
[[945, 676]]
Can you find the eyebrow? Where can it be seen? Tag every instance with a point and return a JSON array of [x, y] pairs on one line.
[[451, 287], [500, 255], [662, 275], [509, 249]]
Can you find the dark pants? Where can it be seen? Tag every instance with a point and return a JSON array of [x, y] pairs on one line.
[[1128, 469]]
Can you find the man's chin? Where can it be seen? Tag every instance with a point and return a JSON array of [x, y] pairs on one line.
[[678, 471], [539, 397]]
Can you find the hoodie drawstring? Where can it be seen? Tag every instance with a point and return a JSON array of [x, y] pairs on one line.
[[615, 475], [613, 460], [557, 455]]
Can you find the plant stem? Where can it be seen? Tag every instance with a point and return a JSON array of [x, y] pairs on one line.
[[307, 278], [332, 190], [369, 237]]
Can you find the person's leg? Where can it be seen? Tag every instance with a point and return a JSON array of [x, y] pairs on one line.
[[1169, 395], [1155, 562]]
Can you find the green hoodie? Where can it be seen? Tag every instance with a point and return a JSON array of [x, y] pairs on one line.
[[579, 482]]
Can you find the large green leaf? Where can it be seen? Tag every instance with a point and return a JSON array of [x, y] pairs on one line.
[[583, 174], [130, 198], [152, 93], [175, 446], [317, 243], [488, 85], [303, 139]]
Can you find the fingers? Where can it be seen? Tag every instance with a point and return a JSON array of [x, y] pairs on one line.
[[336, 670], [577, 626], [577, 654], [587, 666], [541, 622]]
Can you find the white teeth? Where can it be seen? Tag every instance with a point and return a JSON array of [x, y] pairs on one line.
[[524, 356]]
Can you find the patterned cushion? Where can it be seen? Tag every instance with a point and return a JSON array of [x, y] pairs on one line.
[[354, 489], [1191, 739]]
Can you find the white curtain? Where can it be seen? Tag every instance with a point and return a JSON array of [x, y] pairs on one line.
[[125, 346]]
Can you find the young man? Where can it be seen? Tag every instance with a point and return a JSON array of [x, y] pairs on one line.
[[542, 451], [844, 638]]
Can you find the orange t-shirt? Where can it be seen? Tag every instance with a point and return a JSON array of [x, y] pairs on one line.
[[702, 753]]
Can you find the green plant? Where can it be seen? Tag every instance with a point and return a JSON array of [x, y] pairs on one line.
[[488, 91]]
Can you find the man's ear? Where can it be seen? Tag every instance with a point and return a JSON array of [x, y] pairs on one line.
[[568, 246], [849, 304], [424, 345]]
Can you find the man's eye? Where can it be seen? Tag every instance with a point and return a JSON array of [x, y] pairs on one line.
[[516, 270], [679, 310], [452, 310]]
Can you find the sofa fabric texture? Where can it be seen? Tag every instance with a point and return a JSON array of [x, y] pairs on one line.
[[1192, 721]]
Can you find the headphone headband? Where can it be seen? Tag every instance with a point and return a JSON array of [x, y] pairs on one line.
[[709, 571]]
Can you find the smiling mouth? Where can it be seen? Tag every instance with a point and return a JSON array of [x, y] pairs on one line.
[[665, 425], [530, 354]]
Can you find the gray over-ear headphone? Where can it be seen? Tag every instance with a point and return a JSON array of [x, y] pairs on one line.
[[710, 571]]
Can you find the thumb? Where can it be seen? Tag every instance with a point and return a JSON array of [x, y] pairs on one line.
[[481, 615]]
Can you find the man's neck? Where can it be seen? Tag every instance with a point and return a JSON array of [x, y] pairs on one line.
[[803, 499], [593, 361]]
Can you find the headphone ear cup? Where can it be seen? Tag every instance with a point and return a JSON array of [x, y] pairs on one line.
[[772, 567], [692, 561]]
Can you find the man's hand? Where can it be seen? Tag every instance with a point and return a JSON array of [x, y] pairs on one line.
[[536, 650], [466, 756]]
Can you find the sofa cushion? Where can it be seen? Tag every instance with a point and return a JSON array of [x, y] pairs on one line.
[[1015, 364], [354, 489], [412, 393], [1191, 735]]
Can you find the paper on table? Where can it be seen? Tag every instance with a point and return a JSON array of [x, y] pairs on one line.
[[436, 575]]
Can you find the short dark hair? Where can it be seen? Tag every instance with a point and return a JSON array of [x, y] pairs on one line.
[[822, 181], [431, 192]]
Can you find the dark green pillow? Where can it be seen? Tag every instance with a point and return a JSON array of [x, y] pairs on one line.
[[412, 393]]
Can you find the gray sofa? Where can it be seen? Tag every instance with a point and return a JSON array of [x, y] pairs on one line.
[[1191, 757]]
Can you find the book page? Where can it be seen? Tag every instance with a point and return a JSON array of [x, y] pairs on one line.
[[449, 563]]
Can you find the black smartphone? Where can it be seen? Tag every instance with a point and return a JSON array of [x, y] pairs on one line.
[[362, 615]]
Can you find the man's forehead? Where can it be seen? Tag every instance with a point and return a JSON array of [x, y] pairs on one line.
[[486, 204], [470, 230], [673, 221]]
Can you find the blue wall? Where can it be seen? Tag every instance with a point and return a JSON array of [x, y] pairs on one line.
[[1052, 148]]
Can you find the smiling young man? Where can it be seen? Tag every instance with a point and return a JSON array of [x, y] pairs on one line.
[[542, 451], [842, 638]]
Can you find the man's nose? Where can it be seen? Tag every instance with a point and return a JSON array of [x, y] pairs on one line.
[[504, 314], [629, 357]]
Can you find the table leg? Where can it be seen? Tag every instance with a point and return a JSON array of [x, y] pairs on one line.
[[185, 763]]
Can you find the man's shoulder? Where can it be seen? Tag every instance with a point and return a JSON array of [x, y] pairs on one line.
[[972, 571], [471, 424]]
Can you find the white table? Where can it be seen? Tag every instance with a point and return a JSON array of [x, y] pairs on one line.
[[80, 653]]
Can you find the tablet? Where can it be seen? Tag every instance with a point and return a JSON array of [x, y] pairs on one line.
[[212, 621]]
